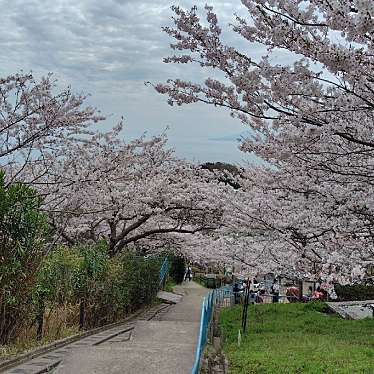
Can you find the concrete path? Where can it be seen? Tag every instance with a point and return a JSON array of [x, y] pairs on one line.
[[353, 309], [164, 346], [163, 341]]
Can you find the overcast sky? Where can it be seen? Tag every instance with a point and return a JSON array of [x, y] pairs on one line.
[[109, 48]]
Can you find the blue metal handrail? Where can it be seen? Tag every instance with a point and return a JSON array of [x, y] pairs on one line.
[[164, 270], [214, 297]]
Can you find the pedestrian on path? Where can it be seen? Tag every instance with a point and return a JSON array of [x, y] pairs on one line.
[[309, 293], [188, 275], [236, 291], [256, 284], [275, 291]]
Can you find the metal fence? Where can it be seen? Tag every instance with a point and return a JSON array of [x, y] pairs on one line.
[[264, 299], [220, 296], [164, 270], [224, 296]]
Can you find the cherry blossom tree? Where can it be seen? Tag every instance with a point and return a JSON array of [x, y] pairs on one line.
[[130, 194], [312, 122], [35, 121], [95, 185]]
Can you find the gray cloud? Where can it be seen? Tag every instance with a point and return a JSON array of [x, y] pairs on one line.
[[109, 48]]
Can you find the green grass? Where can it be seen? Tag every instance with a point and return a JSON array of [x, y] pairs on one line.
[[297, 338]]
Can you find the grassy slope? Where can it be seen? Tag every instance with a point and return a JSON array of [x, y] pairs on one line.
[[297, 338]]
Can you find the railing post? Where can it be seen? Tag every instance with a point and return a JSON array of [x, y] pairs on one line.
[[245, 309]]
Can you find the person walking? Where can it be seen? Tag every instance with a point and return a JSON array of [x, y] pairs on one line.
[[309, 293], [188, 275], [255, 284], [236, 291], [317, 286], [275, 291]]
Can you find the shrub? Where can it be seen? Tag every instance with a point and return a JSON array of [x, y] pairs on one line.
[[55, 287], [93, 268], [106, 288], [140, 277], [127, 283], [81, 281], [354, 292], [57, 277], [22, 231], [77, 275]]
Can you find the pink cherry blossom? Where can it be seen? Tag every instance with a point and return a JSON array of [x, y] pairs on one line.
[[309, 207]]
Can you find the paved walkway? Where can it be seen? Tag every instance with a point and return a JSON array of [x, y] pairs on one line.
[[166, 344]]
